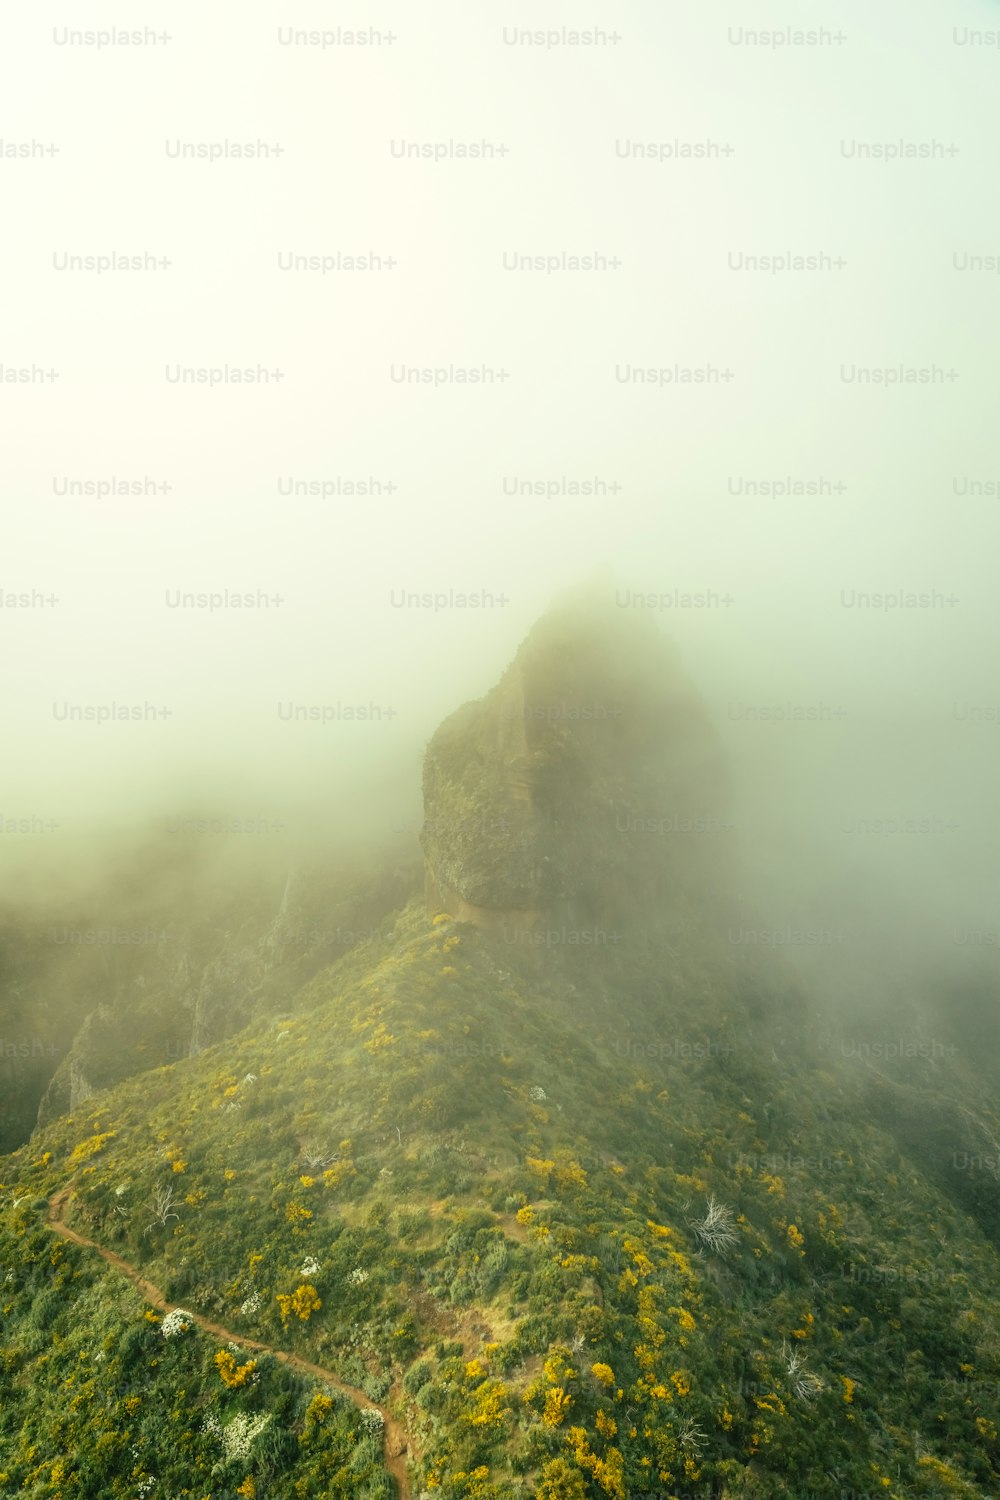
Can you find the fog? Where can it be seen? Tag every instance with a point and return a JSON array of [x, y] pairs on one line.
[[863, 736]]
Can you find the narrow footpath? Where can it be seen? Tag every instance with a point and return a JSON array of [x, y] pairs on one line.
[[395, 1444]]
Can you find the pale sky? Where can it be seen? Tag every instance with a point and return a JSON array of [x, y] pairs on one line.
[[794, 184]]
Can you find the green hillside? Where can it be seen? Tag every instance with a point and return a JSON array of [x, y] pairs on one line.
[[581, 1211], [505, 1203]]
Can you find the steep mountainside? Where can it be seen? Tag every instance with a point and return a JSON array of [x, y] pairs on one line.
[[150, 968], [551, 1189]]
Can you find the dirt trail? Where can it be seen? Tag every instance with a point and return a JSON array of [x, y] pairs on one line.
[[395, 1444]]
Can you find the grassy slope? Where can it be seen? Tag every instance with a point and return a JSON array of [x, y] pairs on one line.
[[507, 1243]]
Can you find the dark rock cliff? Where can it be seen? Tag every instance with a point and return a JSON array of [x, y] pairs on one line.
[[588, 787]]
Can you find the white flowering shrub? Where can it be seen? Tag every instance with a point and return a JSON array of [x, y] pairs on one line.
[[372, 1421], [358, 1277], [175, 1322], [537, 1095], [309, 1267], [239, 1435], [251, 1304]]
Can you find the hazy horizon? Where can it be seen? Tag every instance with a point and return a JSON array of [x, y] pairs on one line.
[[905, 710]]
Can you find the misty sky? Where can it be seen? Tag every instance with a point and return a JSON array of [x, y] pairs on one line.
[[906, 458]]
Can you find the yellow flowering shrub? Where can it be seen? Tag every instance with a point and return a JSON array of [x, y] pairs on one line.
[[561, 1481], [607, 1471], [557, 1405], [570, 1174], [606, 1426], [232, 1374], [491, 1406], [339, 1173], [380, 1037], [90, 1147], [319, 1408], [558, 1369], [303, 1302]]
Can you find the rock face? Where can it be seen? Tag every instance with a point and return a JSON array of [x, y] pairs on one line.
[[117, 1011], [587, 788]]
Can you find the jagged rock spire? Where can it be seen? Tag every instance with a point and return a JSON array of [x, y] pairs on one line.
[[587, 786]]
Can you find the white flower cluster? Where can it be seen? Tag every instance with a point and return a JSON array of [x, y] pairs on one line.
[[238, 1436], [175, 1322], [251, 1304], [373, 1420], [537, 1095], [358, 1277], [310, 1266], [147, 1485]]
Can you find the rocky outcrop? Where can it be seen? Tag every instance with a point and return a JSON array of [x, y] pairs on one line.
[[588, 787]]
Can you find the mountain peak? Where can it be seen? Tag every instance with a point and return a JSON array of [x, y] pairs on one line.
[[585, 788]]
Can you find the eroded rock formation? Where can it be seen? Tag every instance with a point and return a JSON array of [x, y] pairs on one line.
[[588, 787]]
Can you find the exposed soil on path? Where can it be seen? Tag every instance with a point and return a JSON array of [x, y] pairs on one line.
[[395, 1444]]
